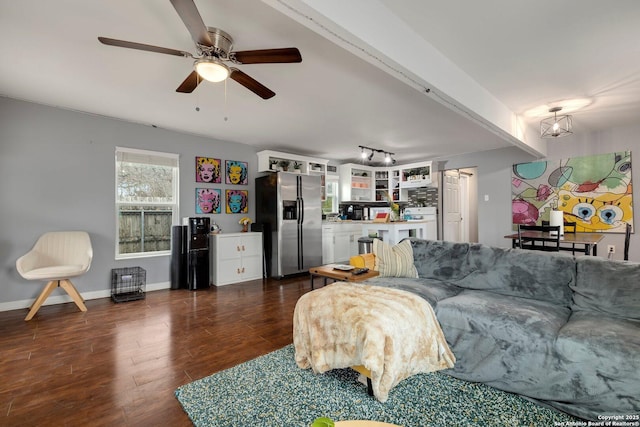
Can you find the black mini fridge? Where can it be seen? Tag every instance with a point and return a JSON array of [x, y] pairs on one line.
[[190, 255]]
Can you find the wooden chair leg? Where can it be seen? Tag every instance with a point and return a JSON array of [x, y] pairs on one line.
[[73, 293], [41, 298]]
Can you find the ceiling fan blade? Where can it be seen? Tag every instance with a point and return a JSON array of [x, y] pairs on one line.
[[193, 21], [146, 47], [251, 84], [268, 56], [190, 83]]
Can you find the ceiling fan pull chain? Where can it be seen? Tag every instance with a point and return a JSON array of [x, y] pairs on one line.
[[225, 101]]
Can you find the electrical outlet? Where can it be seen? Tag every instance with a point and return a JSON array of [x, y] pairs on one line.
[[611, 249]]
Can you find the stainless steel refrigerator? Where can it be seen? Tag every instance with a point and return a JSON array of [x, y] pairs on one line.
[[291, 204]]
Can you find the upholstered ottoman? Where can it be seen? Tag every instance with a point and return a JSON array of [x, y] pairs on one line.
[[392, 333]]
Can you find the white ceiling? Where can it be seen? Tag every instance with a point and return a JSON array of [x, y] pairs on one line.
[[525, 53]]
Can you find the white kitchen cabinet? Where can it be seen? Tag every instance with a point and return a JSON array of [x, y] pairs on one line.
[[273, 161], [387, 182], [340, 241], [328, 243], [235, 257], [356, 183], [415, 175], [359, 183]]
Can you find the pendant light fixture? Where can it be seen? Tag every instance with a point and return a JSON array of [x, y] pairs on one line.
[[556, 126]]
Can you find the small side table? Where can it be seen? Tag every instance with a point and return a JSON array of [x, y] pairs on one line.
[[328, 272]]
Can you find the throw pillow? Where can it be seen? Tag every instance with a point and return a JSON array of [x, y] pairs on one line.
[[394, 261]]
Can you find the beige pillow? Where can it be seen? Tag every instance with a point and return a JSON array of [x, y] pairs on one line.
[[394, 261]]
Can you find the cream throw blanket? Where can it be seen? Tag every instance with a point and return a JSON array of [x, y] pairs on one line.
[[393, 333]]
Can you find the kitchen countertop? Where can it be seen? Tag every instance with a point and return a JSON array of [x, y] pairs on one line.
[[350, 221]]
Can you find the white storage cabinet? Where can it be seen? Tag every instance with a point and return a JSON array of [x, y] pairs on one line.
[[356, 183], [340, 241], [235, 257]]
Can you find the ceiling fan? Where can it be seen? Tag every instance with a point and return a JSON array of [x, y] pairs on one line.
[[213, 48]]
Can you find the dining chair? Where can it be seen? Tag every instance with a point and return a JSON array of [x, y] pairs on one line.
[[552, 236], [569, 227], [627, 239], [55, 258]]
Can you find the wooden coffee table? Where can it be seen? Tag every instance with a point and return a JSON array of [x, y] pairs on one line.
[[328, 272]]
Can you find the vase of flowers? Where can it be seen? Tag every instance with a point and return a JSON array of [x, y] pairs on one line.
[[395, 212], [245, 222], [394, 215]]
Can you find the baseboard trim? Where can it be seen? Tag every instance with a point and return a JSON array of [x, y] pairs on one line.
[[64, 298]]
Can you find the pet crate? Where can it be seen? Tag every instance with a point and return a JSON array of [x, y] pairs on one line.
[[128, 284]]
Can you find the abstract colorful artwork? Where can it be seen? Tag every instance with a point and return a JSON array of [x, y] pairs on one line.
[[236, 172], [208, 201], [208, 170], [595, 192], [237, 201]]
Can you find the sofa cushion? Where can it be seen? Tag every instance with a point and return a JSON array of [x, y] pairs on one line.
[[599, 354], [504, 341], [513, 272], [394, 261], [431, 290], [610, 287]]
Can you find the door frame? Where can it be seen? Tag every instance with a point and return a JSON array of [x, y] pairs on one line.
[[469, 203]]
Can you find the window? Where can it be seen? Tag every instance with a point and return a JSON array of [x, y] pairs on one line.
[[330, 203], [146, 202]]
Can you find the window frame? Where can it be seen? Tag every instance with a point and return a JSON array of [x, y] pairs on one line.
[[331, 181], [175, 205]]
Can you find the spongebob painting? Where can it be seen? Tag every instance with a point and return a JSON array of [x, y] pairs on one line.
[[595, 192]]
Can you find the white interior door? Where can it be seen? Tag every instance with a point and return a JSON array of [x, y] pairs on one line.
[[452, 207], [465, 209]]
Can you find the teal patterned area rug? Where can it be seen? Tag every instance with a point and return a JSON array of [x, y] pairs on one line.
[[272, 391]]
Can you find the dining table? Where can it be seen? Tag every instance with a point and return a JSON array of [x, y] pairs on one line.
[[587, 241]]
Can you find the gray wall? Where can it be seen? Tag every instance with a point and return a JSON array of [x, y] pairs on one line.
[[615, 139], [58, 174], [494, 177], [494, 181]]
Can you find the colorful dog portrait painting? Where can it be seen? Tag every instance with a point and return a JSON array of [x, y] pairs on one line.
[[208, 170], [237, 201], [236, 172], [208, 201]]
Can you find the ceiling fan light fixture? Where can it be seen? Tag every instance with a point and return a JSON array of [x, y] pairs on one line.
[[556, 126], [211, 69]]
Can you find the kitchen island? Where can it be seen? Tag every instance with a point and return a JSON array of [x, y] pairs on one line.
[[340, 238], [393, 232]]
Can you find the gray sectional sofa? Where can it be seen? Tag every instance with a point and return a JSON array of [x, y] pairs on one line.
[[560, 330]]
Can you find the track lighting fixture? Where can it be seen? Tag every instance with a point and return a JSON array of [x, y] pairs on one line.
[[387, 155]]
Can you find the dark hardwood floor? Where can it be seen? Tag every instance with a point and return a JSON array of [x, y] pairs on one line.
[[119, 364]]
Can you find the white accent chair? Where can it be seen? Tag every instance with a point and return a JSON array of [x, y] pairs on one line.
[[56, 257]]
